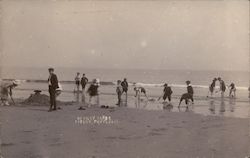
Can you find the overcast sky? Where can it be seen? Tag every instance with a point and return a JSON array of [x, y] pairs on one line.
[[200, 35]]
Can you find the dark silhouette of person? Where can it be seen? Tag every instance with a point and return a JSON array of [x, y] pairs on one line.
[[53, 85], [84, 81], [167, 92]]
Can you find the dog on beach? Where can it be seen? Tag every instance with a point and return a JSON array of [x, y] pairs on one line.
[[187, 97]]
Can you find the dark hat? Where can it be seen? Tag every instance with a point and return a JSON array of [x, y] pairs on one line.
[[51, 69], [165, 85], [188, 82]]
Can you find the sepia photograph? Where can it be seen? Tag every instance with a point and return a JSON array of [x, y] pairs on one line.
[[124, 79]]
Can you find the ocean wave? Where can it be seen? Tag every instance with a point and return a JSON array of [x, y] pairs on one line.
[[137, 84]]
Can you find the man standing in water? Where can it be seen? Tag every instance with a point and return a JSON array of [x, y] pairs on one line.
[[124, 85], [84, 81], [53, 85], [222, 87], [190, 90]]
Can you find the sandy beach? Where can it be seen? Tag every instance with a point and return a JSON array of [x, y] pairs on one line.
[[32, 132]]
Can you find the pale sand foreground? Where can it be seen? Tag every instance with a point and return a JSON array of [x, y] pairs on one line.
[[32, 132]]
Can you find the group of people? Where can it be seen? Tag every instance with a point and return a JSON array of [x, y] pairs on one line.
[[123, 87], [222, 89]]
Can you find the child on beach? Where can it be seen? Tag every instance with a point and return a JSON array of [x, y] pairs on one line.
[[119, 90], [93, 90], [167, 92], [232, 91]]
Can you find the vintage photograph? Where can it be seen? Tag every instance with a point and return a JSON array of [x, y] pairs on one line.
[[124, 79]]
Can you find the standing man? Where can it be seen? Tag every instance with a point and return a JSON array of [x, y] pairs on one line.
[[84, 81], [222, 87], [167, 92], [124, 85], [53, 85], [190, 91]]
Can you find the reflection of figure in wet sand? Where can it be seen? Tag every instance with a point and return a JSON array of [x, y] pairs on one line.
[[232, 104], [222, 106], [167, 106], [138, 91], [212, 106]]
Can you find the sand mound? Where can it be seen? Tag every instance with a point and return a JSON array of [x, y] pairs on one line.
[[37, 99]]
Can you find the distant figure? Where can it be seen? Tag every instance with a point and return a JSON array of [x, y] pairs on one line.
[[222, 86], [53, 85], [186, 97], [212, 86], [77, 81], [6, 91], [248, 92], [167, 92], [124, 85], [84, 81], [93, 91], [190, 91], [139, 90], [232, 90], [119, 90]]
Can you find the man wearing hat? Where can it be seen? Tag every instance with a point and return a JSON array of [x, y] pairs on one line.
[[190, 90], [53, 85]]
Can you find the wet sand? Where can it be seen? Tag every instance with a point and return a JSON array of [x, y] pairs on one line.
[[32, 132]]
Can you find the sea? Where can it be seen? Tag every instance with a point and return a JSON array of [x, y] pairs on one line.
[[152, 80]]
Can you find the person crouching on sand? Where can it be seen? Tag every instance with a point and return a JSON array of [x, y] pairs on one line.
[[6, 91], [93, 91], [232, 90], [119, 90], [167, 92]]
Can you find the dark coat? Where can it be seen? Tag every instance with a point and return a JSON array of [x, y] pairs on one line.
[[54, 81]]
